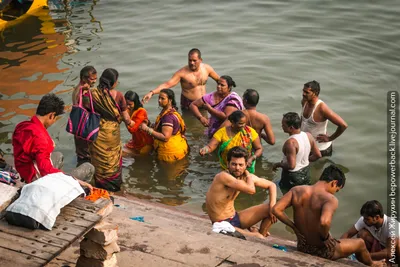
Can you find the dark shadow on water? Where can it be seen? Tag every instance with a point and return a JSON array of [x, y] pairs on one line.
[[12, 9]]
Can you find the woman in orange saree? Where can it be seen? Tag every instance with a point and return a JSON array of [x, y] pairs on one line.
[[141, 142]]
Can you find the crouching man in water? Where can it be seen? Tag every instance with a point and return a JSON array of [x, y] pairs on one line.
[[313, 208], [227, 185], [379, 232]]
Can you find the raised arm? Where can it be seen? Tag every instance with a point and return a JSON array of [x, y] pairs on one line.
[[169, 84], [194, 108], [327, 211], [240, 185], [212, 73], [266, 184], [335, 119]]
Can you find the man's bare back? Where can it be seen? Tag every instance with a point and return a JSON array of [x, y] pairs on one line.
[[260, 122], [313, 209], [255, 119], [308, 202]]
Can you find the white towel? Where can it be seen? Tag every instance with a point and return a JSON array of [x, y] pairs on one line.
[[223, 226], [42, 199]]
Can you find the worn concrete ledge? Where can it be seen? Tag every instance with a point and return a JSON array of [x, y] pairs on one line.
[[169, 237]]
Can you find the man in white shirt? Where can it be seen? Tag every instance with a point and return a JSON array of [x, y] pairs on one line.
[[315, 116], [296, 154], [379, 232]]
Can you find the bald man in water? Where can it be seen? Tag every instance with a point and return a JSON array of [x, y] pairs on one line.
[[193, 78]]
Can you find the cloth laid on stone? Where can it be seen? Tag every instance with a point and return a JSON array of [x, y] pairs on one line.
[[42, 199], [223, 226]]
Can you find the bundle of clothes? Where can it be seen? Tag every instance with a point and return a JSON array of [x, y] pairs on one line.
[[8, 174]]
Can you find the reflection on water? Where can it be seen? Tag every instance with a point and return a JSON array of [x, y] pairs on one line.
[[31, 50]]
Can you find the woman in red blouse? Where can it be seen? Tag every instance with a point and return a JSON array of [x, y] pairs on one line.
[[141, 142]]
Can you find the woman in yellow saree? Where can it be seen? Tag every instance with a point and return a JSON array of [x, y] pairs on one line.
[[106, 150], [169, 141], [238, 134]]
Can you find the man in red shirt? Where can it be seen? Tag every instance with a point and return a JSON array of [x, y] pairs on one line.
[[33, 145]]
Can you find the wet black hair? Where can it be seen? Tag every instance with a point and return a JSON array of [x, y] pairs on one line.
[[108, 78], [231, 83], [314, 85], [194, 51], [333, 173], [292, 119], [238, 152], [132, 96], [371, 209], [252, 97], [235, 116], [50, 103], [171, 95], [86, 71]]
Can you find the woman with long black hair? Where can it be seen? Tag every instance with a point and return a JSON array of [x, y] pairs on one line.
[[106, 150], [169, 131], [141, 142]]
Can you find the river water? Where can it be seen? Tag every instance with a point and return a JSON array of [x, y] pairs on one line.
[[351, 48]]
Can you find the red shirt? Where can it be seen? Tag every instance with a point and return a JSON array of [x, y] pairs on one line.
[[31, 142]]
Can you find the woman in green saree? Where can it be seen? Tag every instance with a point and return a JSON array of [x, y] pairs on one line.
[[237, 134]]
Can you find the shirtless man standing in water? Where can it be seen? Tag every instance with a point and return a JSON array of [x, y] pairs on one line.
[[313, 209], [260, 122], [193, 79], [227, 185]]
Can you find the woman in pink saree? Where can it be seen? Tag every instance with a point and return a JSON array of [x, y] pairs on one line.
[[220, 104]]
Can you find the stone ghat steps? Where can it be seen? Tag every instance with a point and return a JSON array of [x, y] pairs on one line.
[[169, 237]]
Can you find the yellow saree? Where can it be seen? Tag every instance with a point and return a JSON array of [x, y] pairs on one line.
[[106, 150], [176, 147]]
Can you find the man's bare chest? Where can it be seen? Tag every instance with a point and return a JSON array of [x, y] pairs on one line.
[[195, 79]]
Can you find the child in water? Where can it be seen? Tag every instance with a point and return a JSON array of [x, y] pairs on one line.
[[141, 142]]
